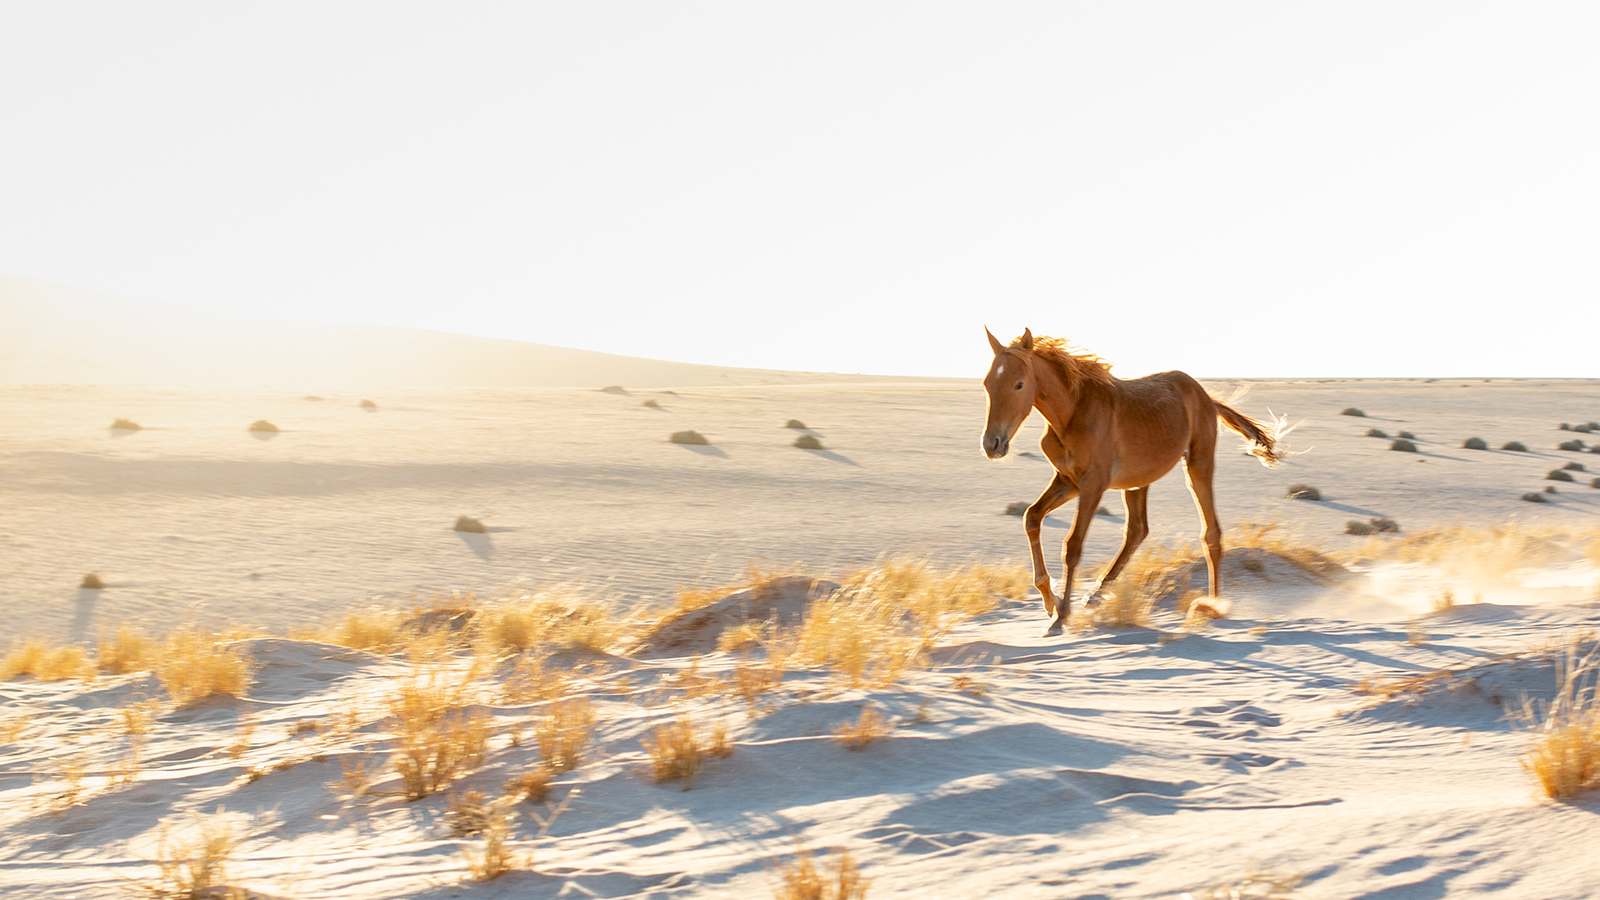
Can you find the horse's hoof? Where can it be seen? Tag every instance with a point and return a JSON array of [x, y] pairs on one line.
[[1054, 630], [1094, 600]]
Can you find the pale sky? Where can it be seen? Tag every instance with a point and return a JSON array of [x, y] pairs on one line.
[[1235, 189]]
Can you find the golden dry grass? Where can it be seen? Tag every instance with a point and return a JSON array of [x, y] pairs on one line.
[[438, 735], [193, 862], [858, 735], [1253, 886], [191, 665], [1484, 554], [45, 661], [532, 784], [1564, 754], [678, 752], [565, 732], [127, 649], [495, 858], [800, 879]]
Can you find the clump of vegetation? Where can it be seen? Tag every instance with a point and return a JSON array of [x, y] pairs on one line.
[[1473, 443], [1515, 446], [1594, 482], [1573, 446], [494, 826], [263, 426], [1017, 508], [470, 525], [1573, 467], [44, 661], [532, 785], [871, 726], [1377, 433], [1557, 475], [689, 437], [565, 732], [1352, 411], [613, 389], [367, 404], [92, 582], [808, 442], [1371, 526], [1253, 886], [1564, 756], [1534, 497], [1407, 435], [1403, 446], [125, 425], [127, 650], [653, 403], [800, 880], [794, 423], [439, 735], [1303, 492], [194, 865], [191, 665], [679, 753]]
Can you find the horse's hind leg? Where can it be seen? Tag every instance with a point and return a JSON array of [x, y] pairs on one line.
[[1060, 491], [1137, 529], [1198, 469]]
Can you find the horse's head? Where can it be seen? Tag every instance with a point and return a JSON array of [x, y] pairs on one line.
[[1010, 386]]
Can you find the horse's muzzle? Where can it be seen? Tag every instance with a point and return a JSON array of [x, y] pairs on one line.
[[996, 446]]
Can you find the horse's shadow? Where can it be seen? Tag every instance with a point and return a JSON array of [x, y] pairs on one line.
[[479, 543]]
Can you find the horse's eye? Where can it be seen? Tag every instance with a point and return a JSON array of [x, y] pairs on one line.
[[1019, 385]]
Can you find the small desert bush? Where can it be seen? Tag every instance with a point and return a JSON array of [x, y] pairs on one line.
[[688, 437], [1573, 446], [126, 650], [262, 425], [1155, 571], [193, 863], [1406, 435], [125, 425], [1377, 433], [565, 732], [367, 404], [1557, 475], [376, 629], [1564, 756], [1573, 467], [191, 665], [795, 423], [45, 661], [1371, 526], [1474, 443], [1017, 508], [1442, 600], [870, 727], [1403, 445], [92, 582], [1303, 492], [808, 442], [470, 525], [532, 784], [438, 735], [555, 619], [496, 858], [800, 880], [1594, 482], [1515, 446], [678, 752], [1534, 497], [1352, 411]]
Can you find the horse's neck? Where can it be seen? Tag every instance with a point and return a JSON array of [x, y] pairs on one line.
[[1058, 399]]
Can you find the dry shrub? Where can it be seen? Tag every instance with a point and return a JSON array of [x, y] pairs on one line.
[[496, 858], [125, 425], [1474, 443], [438, 735], [1303, 492], [679, 753], [1442, 600], [1403, 445], [556, 619], [795, 423], [1406, 435], [1573, 446], [193, 863], [565, 732], [1371, 526], [652, 403], [262, 425], [800, 880], [128, 650], [532, 681], [1557, 475], [532, 785], [689, 437], [1534, 497], [91, 582], [1377, 433], [1017, 508], [1487, 554], [1352, 411], [192, 665], [879, 622], [470, 525], [375, 629], [1515, 446], [1564, 757], [45, 661], [1155, 573], [808, 442], [367, 404], [750, 682], [871, 726]]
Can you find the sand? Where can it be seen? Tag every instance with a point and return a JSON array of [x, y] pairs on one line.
[[1131, 763]]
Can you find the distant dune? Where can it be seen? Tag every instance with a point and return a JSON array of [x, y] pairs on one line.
[[56, 334]]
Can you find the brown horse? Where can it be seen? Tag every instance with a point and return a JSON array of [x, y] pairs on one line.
[[1103, 434]]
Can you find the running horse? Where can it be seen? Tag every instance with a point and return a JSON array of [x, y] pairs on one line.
[[1103, 433]]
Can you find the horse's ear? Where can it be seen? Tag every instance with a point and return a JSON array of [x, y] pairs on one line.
[[994, 341], [1027, 339]]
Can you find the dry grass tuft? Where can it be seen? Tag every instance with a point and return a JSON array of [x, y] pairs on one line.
[[128, 650], [549, 620], [565, 732], [1017, 508], [870, 727], [689, 437], [795, 423], [808, 442], [91, 582], [1352, 411], [438, 736], [652, 403], [1303, 492], [1485, 554], [1442, 600], [1253, 886], [1564, 757], [45, 662], [192, 665], [263, 426], [679, 753], [532, 785], [470, 525], [193, 864], [125, 425], [496, 858], [800, 880], [367, 404]]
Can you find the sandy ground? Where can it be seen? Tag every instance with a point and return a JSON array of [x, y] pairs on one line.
[[1126, 764]]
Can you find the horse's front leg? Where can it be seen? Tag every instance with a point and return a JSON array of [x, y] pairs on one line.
[[1060, 491], [1072, 551]]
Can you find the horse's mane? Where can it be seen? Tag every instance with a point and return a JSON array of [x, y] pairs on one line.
[[1076, 364]]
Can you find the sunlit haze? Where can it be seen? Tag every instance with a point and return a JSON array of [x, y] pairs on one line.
[[1239, 189]]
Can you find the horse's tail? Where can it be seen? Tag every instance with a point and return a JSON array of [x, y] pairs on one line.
[[1265, 440]]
